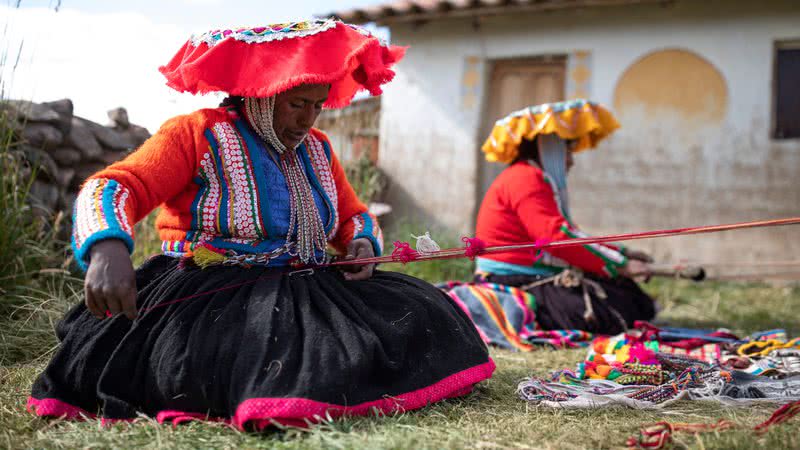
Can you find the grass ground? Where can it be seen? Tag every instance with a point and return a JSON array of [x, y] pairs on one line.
[[491, 417]]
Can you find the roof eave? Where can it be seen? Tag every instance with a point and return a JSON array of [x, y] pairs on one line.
[[387, 18]]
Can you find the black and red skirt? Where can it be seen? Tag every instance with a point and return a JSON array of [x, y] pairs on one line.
[[257, 346]]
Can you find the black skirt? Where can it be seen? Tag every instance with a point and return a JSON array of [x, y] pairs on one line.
[[563, 308], [255, 346]]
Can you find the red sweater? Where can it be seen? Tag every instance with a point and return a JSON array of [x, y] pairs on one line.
[[521, 206]]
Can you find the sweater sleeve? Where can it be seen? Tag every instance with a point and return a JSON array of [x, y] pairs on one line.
[[355, 221], [536, 207], [112, 200]]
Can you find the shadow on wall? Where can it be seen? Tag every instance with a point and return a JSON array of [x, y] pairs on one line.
[[405, 210]]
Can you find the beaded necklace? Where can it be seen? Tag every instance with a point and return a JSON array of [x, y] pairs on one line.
[[304, 218]]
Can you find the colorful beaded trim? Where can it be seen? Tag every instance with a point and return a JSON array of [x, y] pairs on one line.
[[100, 214], [548, 107], [273, 32]]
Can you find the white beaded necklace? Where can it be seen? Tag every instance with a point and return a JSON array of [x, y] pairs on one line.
[[304, 217]]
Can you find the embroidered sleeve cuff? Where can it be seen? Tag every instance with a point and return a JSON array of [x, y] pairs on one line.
[[366, 226], [612, 267], [99, 215], [612, 258]]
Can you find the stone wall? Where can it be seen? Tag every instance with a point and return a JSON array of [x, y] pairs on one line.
[[66, 148]]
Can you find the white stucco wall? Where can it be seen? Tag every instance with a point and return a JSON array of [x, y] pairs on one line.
[[648, 175]]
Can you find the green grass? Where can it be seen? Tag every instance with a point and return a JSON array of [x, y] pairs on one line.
[[491, 417], [24, 233], [367, 180], [432, 271], [739, 307], [146, 238]]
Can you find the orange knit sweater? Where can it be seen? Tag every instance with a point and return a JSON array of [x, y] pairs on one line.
[[211, 176]]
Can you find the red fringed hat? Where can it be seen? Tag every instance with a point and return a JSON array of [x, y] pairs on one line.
[[264, 61]]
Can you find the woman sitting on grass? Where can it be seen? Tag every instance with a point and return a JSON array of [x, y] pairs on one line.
[[588, 288], [233, 321]]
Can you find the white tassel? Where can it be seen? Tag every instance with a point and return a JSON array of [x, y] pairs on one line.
[[425, 244]]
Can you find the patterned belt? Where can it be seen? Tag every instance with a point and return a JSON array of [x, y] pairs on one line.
[[204, 256], [572, 278]]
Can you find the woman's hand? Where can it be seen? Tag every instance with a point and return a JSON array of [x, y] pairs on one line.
[[110, 283], [637, 255], [357, 249]]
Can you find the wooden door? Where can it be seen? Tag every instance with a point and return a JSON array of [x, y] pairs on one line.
[[513, 85]]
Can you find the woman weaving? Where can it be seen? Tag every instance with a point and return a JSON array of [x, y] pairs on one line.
[[229, 323], [588, 288]]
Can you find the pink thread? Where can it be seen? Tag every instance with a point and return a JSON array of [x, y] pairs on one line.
[[473, 247], [537, 251], [403, 252]]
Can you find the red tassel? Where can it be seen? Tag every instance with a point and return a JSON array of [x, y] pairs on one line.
[[403, 252], [537, 252], [473, 247]]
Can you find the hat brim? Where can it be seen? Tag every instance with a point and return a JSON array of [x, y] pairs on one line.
[[340, 55], [586, 122]]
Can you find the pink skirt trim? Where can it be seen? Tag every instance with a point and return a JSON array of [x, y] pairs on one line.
[[52, 407], [263, 412]]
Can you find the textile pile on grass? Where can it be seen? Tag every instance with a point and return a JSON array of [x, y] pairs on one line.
[[651, 367]]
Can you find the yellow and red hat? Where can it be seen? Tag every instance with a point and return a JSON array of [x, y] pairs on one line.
[[584, 121]]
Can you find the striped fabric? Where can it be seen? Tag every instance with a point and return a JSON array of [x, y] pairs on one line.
[[505, 316], [710, 353]]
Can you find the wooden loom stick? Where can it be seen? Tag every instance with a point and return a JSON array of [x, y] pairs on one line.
[[460, 252]]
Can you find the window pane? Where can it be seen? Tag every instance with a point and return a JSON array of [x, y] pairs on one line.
[[787, 94]]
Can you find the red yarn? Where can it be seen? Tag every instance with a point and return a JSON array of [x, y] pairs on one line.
[[403, 252], [473, 247], [657, 435], [781, 415]]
